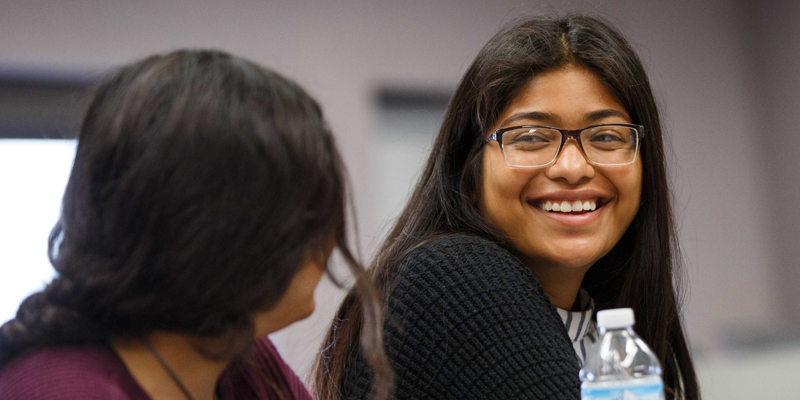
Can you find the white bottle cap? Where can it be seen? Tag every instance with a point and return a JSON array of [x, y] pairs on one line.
[[615, 318]]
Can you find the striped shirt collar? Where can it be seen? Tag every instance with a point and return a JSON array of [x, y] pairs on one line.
[[581, 329]]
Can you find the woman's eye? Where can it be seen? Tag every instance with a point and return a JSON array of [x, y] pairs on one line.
[[530, 138], [534, 135], [606, 137]]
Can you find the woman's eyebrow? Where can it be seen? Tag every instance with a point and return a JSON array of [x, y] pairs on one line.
[[545, 117], [603, 114], [553, 120]]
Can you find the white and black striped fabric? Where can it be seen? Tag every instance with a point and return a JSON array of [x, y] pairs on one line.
[[582, 330]]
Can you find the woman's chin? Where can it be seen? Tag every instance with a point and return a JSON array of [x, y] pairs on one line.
[[282, 316], [308, 310], [566, 258], [556, 250]]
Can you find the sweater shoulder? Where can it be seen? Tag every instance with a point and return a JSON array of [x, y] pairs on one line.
[[69, 372], [447, 245], [462, 255], [460, 267]]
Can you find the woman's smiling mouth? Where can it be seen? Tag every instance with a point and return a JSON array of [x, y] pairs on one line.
[[574, 211], [565, 206]]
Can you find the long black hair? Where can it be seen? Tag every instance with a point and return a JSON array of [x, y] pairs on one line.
[[639, 272], [201, 183]]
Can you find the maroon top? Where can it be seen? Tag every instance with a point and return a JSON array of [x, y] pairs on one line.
[[90, 372]]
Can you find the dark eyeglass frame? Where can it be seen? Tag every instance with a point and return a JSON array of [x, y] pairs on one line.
[[566, 134]]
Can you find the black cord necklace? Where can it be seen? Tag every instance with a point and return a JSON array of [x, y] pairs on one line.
[[166, 367]]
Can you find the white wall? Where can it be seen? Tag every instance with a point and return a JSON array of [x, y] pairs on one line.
[[33, 175], [697, 53]]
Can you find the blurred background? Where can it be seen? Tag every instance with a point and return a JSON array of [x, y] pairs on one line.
[[724, 72]]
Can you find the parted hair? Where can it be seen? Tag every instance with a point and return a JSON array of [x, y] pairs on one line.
[[200, 183], [642, 271]]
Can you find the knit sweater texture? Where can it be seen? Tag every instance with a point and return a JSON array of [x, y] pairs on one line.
[[466, 320], [94, 372]]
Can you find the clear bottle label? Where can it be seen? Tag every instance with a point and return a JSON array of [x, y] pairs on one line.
[[633, 392]]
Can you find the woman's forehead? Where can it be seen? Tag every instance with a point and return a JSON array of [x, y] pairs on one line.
[[571, 95]]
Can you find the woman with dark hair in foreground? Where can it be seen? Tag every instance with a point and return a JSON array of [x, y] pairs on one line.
[[205, 199], [544, 199]]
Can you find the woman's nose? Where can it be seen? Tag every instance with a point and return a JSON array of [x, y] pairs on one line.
[[571, 165]]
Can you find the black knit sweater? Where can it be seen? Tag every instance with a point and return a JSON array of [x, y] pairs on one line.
[[466, 320]]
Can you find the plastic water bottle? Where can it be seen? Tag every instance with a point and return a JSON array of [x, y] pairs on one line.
[[619, 365]]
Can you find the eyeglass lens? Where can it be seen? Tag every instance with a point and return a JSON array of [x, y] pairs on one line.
[[535, 146]]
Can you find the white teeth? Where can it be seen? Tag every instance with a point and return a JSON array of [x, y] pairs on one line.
[[565, 206]]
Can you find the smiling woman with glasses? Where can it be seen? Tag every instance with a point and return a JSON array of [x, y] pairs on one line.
[[544, 200]]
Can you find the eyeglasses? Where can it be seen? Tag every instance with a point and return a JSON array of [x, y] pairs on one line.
[[538, 146]]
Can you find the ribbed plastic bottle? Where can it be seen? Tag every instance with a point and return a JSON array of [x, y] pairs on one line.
[[620, 365]]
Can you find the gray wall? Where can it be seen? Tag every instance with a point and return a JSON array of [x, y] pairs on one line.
[[727, 89], [775, 84]]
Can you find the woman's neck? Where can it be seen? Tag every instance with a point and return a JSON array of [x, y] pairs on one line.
[[560, 283], [197, 373]]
